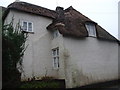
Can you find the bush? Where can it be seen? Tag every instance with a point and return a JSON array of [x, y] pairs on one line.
[[43, 84], [13, 47]]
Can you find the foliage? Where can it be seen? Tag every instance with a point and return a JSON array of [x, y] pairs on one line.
[[43, 84], [47, 78], [13, 47]]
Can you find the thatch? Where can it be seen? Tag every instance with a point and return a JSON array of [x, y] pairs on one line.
[[72, 23], [34, 9], [69, 22]]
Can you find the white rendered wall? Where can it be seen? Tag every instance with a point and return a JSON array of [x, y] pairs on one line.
[[90, 60], [38, 57], [82, 61]]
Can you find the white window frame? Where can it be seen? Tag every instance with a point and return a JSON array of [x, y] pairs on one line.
[[91, 29], [27, 30], [55, 56]]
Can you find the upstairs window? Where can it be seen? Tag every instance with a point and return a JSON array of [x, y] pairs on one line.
[[91, 29], [30, 26], [55, 34], [27, 26], [55, 55]]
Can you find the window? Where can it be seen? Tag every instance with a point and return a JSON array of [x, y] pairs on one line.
[[91, 29], [55, 34], [30, 27], [55, 55], [27, 26]]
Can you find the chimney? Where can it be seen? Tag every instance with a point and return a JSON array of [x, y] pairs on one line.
[[59, 9], [60, 12], [17, 1]]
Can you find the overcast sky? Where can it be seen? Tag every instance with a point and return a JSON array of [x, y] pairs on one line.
[[104, 12]]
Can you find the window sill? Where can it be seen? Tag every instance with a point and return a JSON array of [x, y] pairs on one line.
[[92, 36], [55, 68], [28, 32]]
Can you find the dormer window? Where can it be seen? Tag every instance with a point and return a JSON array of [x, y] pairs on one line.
[[55, 33], [91, 29]]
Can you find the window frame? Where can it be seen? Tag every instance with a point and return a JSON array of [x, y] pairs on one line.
[[55, 57], [91, 32], [27, 30]]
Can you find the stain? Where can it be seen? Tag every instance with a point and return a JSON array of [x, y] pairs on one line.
[[66, 53], [77, 78]]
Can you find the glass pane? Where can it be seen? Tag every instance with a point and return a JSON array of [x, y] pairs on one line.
[[57, 61], [29, 26], [55, 34], [54, 52], [57, 51], [91, 29], [25, 26]]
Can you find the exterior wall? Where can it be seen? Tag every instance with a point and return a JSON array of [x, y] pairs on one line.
[[82, 61], [58, 42], [38, 57], [119, 34], [119, 20], [89, 61]]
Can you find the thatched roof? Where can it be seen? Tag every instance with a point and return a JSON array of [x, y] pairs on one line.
[[34, 9], [70, 22]]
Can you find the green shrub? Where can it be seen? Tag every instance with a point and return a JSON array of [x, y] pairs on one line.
[[42, 84], [13, 47]]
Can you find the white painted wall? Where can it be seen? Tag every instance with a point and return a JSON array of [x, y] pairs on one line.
[[38, 57], [90, 60], [58, 42]]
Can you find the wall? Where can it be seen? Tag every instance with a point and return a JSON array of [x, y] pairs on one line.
[[90, 60], [38, 58], [58, 42], [82, 61], [119, 20]]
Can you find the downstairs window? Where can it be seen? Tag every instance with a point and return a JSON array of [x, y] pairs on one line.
[[55, 55]]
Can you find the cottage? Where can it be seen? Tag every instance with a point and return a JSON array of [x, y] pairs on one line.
[[64, 44]]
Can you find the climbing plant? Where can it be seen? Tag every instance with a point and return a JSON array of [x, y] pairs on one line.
[[13, 47]]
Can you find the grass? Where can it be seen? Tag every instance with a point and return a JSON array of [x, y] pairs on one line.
[[43, 84]]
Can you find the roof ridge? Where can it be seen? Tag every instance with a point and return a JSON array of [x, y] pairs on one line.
[[32, 8], [22, 2], [71, 8]]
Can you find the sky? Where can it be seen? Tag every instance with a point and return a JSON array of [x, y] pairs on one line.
[[103, 12]]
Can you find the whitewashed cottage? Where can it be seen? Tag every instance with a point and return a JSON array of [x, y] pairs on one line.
[[64, 44]]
